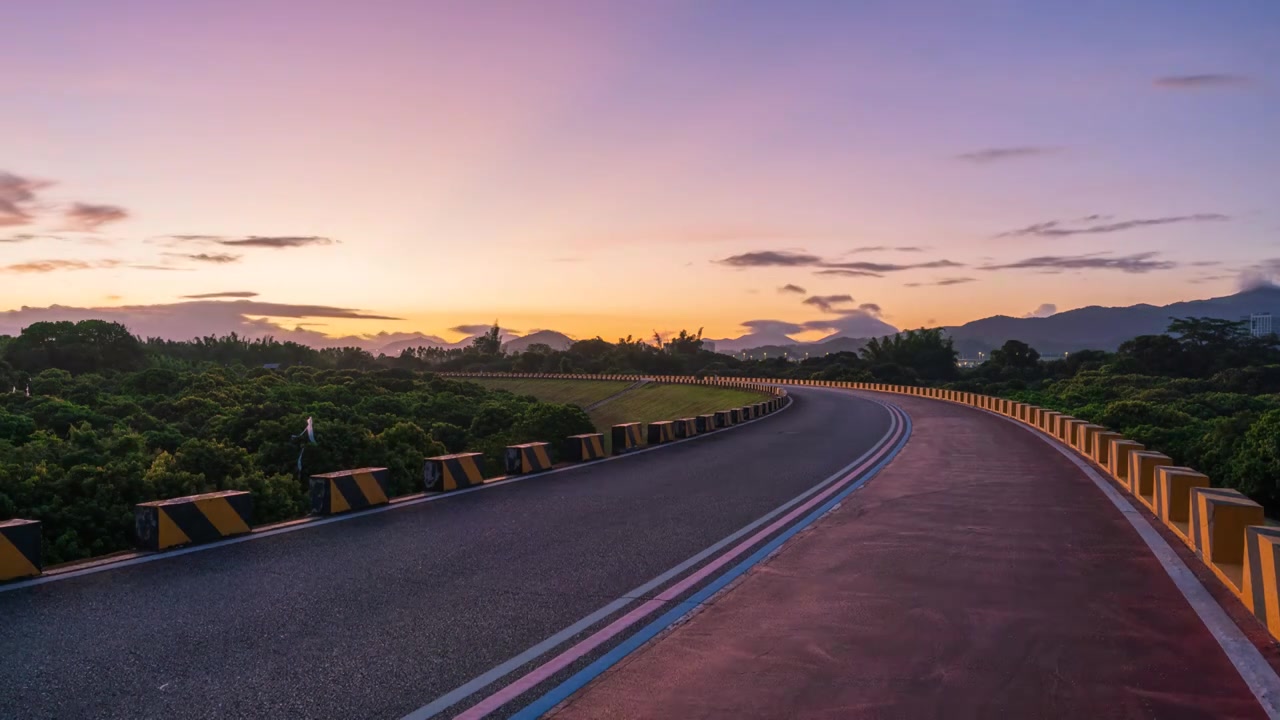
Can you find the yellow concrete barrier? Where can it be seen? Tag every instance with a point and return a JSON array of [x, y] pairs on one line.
[[527, 458], [1118, 458], [1085, 438], [1219, 517], [724, 418], [706, 423], [585, 447], [19, 549], [663, 431], [627, 437], [338, 492], [1067, 429], [445, 473], [1142, 475], [686, 427], [192, 520], [1102, 447], [1173, 497], [1049, 422], [1261, 575]]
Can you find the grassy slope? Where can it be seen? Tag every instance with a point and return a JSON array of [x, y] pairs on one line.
[[575, 392], [669, 402], [647, 404]]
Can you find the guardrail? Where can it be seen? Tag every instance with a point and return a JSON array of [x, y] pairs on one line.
[[177, 522]]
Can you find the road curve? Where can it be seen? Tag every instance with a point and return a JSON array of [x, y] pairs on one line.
[[380, 615]]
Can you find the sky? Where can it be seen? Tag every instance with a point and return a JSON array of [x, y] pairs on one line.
[[335, 169]]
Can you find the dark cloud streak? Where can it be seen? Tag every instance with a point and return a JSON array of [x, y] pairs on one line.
[[1056, 228], [997, 154]]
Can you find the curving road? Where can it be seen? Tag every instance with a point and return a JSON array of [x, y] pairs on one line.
[[381, 615]]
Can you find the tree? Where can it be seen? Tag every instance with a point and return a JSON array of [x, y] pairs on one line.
[[1015, 355], [489, 344]]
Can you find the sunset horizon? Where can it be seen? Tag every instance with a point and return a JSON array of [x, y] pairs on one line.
[[611, 170]]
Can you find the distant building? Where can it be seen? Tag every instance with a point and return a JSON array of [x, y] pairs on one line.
[[1259, 324]]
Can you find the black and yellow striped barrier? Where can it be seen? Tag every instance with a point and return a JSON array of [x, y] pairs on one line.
[[748, 412], [584, 448], [724, 418], [344, 490], [452, 472], [528, 458], [19, 549], [661, 432], [192, 520], [735, 416], [686, 427], [627, 437], [706, 423]]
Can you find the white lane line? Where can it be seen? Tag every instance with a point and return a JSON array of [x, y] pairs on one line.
[[167, 554], [1256, 672], [500, 671]]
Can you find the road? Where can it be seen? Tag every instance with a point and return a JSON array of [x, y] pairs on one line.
[[982, 574], [379, 615]]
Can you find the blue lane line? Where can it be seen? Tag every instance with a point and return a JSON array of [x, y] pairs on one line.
[[561, 692]]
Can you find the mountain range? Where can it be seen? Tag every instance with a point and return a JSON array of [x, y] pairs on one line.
[[1087, 328], [510, 343]]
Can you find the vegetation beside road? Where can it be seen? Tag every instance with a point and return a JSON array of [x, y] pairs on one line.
[[582, 393]]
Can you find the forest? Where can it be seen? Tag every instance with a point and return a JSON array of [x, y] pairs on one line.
[[96, 420]]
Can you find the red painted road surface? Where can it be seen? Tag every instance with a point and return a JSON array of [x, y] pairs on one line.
[[980, 575]]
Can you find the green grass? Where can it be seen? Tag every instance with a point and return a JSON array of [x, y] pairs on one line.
[[669, 402], [574, 392], [646, 404]]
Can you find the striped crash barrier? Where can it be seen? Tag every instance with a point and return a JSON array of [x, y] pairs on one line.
[[584, 448], [724, 418], [192, 520], [445, 473], [662, 431], [528, 458], [686, 427], [346, 490], [627, 437], [19, 549], [706, 423]]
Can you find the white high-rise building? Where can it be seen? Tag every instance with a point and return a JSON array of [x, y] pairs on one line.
[[1260, 324]]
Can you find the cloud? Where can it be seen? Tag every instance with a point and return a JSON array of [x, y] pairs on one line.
[[1134, 264], [27, 237], [862, 322], [48, 266], [848, 273], [1055, 228], [944, 282], [1264, 274], [772, 327], [788, 258], [83, 217], [874, 267], [771, 258], [17, 198], [1044, 311], [789, 288], [885, 248], [214, 258], [228, 294], [997, 154], [827, 303], [198, 318], [1200, 82], [276, 242], [482, 328], [165, 268]]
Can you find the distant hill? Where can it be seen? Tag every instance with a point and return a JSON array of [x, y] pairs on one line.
[[1104, 328], [557, 341], [1088, 328]]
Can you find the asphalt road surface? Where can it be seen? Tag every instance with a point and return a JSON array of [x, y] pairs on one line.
[[379, 615]]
